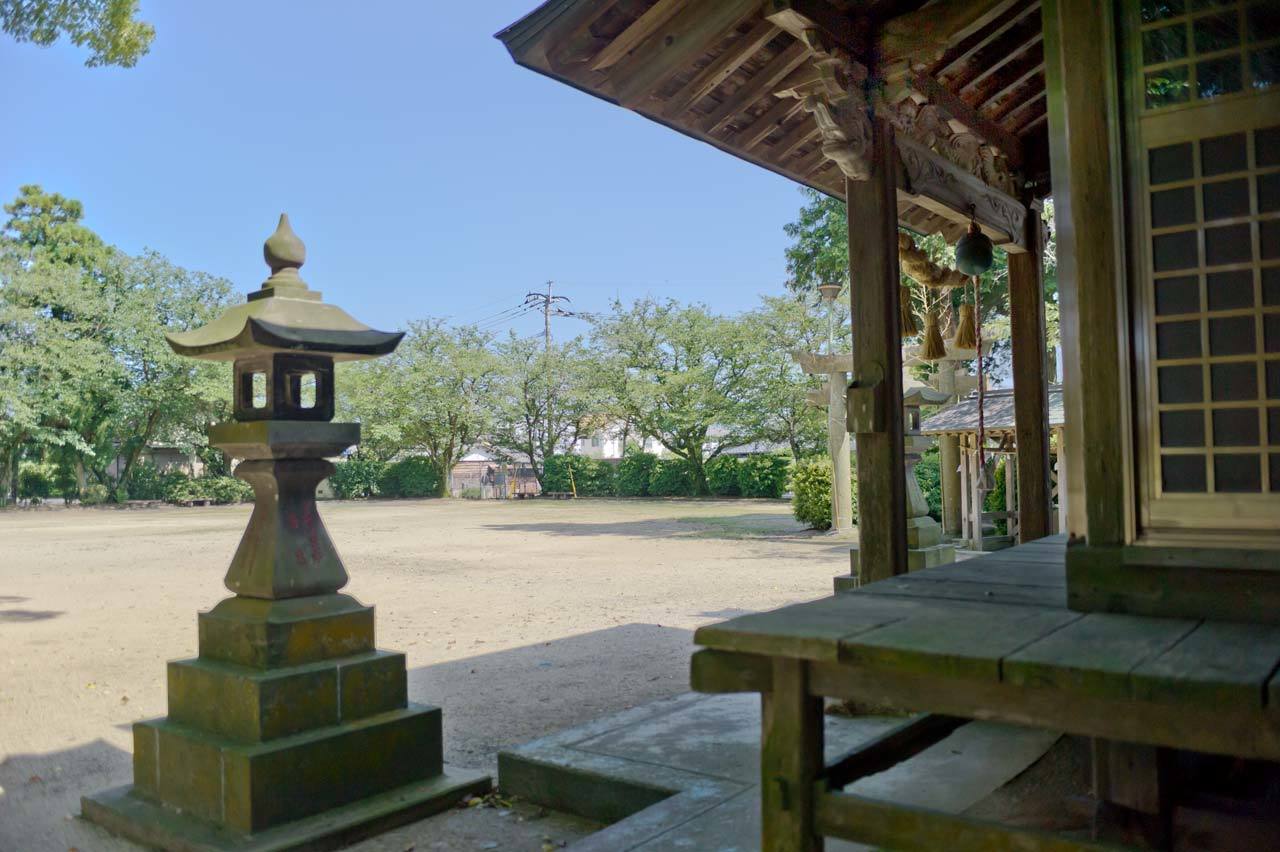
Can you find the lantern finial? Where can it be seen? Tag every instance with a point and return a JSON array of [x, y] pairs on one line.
[[285, 254]]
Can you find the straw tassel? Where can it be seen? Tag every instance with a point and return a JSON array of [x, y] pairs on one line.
[[910, 328], [932, 349], [966, 329]]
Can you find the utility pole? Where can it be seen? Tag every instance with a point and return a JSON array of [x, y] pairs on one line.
[[550, 306]]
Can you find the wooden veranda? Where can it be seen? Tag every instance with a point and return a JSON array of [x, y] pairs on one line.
[[1156, 126]]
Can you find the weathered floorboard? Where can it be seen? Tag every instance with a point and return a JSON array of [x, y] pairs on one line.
[[963, 645], [1095, 654], [1217, 663]]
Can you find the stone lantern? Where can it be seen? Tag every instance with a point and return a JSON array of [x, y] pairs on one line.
[[290, 729]]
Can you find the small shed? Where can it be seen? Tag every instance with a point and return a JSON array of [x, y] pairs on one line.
[[999, 430]]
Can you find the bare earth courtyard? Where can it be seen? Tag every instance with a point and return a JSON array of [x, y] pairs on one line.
[[518, 618]]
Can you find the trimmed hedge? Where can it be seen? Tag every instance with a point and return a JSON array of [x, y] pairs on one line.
[[811, 492], [35, 481], [634, 472], [215, 489], [722, 476], [671, 478], [591, 477], [146, 482], [354, 478], [763, 475], [411, 477]]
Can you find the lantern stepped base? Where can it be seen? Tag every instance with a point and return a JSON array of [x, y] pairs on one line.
[[288, 728], [124, 812]]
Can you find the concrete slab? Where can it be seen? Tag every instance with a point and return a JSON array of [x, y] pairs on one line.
[[681, 774]]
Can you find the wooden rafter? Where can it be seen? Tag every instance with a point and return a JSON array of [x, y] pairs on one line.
[[1004, 51], [675, 45], [1033, 90], [567, 28], [643, 27], [1016, 73], [719, 69], [934, 28], [1033, 123], [805, 131], [756, 87], [769, 121], [968, 47]]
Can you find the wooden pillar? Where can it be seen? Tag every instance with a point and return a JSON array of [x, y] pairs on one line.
[[1012, 521], [965, 525], [1030, 392], [791, 760], [949, 460], [877, 362], [977, 500]]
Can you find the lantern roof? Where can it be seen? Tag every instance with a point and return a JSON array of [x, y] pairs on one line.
[[284, 315]]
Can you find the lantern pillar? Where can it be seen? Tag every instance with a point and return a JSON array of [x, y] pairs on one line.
[[290, 729]]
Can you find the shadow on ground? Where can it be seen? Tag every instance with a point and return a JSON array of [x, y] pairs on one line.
[[491, 701], [21, 615], [773, 525]]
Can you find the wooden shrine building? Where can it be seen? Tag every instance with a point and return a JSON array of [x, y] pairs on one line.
[[1155, 126], [997, 430]]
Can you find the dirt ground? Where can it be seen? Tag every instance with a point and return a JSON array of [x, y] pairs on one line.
[[518, 618]]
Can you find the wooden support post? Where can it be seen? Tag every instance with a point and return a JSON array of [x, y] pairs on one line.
[[1012, 520], [877, 360], [1030, 392], [966, 513], [791, 760]]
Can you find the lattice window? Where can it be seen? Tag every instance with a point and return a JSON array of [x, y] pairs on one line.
[[1205, 49], [1214, 264]]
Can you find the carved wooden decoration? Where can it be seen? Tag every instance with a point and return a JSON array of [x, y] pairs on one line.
[[945, 187], [838, 106], [927, 124]]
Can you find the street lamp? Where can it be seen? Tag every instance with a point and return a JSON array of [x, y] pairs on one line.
[[290, 728]]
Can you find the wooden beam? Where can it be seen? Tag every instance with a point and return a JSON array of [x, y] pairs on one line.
[[797, 16], [805, 131], [1029, 66], [917, 35], [790, 760], [1093, 301], [719, 69], [1030, 390], [937, 184], [967, 47], [877, 360], [689, 33], [1009, 50], [639, 30], [725, 671], [899, 743], [951, 104], [1033, 123], [759, 84], [1017, 105], [907, 828], [563, 30], [769, 121]]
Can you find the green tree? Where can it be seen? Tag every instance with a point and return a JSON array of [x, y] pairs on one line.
[[783, 325], [543, 400], [108, 28], [819, 253], [676, 371], [432, 395], [85, 373]]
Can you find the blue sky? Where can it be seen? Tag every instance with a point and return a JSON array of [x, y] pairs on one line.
[[426, 172]]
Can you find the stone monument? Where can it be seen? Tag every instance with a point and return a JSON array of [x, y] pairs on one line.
[[290, 729]]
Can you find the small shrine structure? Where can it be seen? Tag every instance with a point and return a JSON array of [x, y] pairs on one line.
[[960, 423]]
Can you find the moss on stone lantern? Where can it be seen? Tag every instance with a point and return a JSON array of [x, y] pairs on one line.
[[290, 729]]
